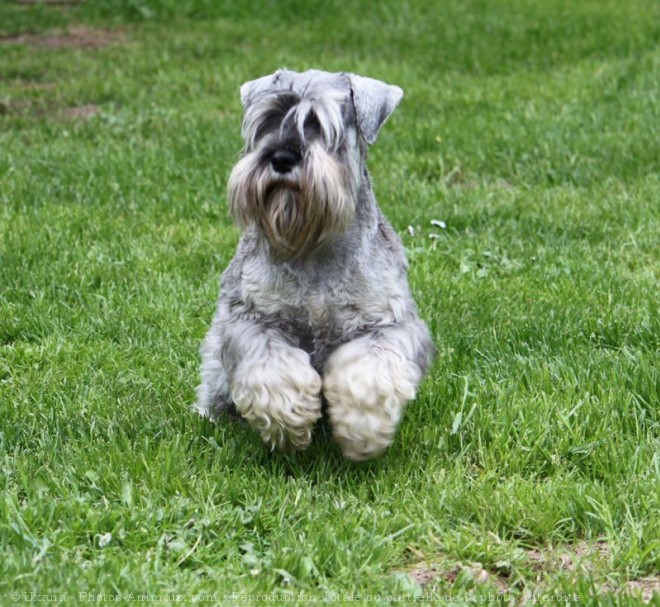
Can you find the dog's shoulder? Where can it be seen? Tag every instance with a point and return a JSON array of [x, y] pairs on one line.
[[245, 251], [390, 242]]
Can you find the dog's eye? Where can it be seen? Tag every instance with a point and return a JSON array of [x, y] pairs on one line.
[[312, 125], [269, 124]]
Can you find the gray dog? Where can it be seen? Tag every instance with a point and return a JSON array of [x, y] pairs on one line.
[[315, 303]]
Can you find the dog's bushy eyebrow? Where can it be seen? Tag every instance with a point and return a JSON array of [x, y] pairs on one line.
[[324, 111], [266, 115]]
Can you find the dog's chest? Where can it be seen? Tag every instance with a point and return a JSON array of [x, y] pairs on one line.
[[329, 306], [313, 306]]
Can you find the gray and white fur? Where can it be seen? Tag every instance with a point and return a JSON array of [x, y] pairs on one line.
[[315, 304]]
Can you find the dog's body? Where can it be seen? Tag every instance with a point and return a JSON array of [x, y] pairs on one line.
[[316, 300]]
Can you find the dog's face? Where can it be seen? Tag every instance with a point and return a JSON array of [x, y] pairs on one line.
[[305, 140]]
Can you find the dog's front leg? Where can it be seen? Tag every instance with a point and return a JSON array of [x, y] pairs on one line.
[[272, 384], [368, 381]]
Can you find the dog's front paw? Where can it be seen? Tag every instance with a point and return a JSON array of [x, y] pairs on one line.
[[366, 386], [280, 398]]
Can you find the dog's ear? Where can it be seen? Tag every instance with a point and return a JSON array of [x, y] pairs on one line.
[[253, 89], [250, 90], [374, 101]]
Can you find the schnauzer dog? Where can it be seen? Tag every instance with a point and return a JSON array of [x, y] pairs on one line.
[[315, 305]]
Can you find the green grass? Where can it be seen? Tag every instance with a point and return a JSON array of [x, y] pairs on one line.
[[531, 127]]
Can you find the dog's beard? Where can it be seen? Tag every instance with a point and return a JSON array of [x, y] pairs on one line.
[[299, 212]]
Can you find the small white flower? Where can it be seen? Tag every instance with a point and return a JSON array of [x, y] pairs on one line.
[[104, 539], [411, 230], [438, 224]]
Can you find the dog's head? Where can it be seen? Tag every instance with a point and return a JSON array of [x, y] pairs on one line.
[[305, 140]]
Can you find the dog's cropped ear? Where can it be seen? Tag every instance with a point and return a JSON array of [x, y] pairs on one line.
[[374, 101], [253, 89]]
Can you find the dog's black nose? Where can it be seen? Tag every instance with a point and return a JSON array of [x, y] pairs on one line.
[[284, 160]]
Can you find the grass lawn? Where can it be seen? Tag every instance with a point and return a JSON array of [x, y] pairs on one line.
[[527, 470]]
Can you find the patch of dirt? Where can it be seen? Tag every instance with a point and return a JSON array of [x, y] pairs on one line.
[[425, 574], [581, 557], [646, 588], [29, 109], [584, 555], [8, 107], [81, 112], [49, 2], [31, 85], [74, 37]]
